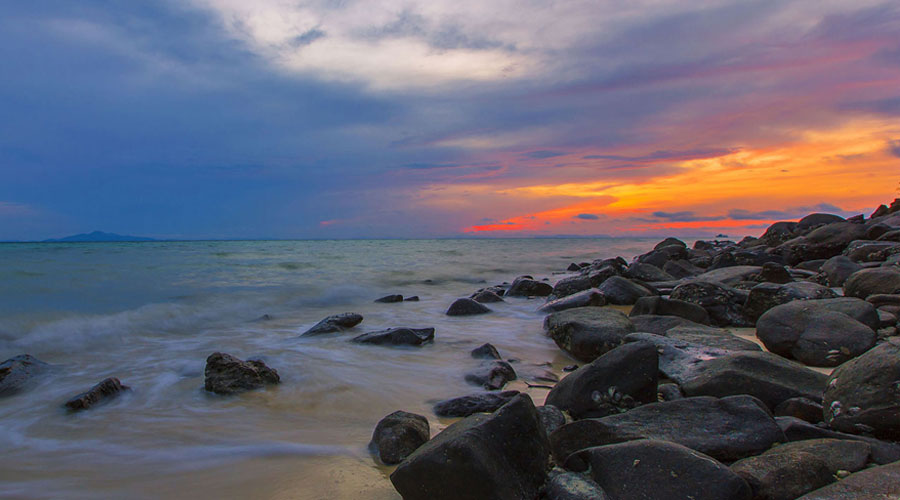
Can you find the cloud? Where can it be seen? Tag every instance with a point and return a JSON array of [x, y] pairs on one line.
[[307, 38], [586, 217], [656, 156], [685, 216], [544, 154], [790, 213], [894, 147]]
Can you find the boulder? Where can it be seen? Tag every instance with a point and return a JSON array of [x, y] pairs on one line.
[[335, 323], [822, 243], [390, 299], [680, 269], [590, 297], [18, 372], [485, 351], [669, 392], [772, 272], [877, 483], [398, 435], [724, 306], [892, 235], [678, 360], [588, 332], [796, 430], [659, 256], [670, 307], [492, 375], [728, 276], [660, 324], [838, 268], [783, 476], [104, 391], [487, 297], [502, 456], [647, 272], [621, 379], [464, 406], [564, 485], [863, 394], [397, 336], [868, 250], [466, 307], [669, 242], [838, 454], [573, 267], [810, 265], [712, 337], [570, 285], [802, 408], [766, 376], [660, 470], [765, 296], [226, 374], [778, 233], [867, 282], [812, 221], [726, 429], [526, 287], [552, 418], [622, 291]]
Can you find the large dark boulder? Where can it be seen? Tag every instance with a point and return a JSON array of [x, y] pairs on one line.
[[464, 406], [670, 307], [18, 372], [796, 430], [802, 408], [838, 268], [766, 376], [765, 296], [564, 485], [621, 379], [103, 392], [659, 470], [527, 287], [466, 307], [816, 332], [502, 456], [877, 483], [867, 282], [679, 360], [712, 337], [333, 324], [680, 269], [492, 375], [669, 242], [552, 418], [724, 305], [390, 299], [812, 221], [397, 336], [226, 374], [485, 351], [647, 272], [778, 233], [588, 332], [726, 429], [398, 435], [783, 476], [590, 297], [867, 250], [660, 255], [487, 297], [838, 454], [822, 243], [570, 285], [773, 272], [660, 324], [729, 276], [863, 394], [622, 291]]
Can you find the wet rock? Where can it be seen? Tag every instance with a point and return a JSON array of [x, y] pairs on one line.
[[466, 307], [526, 287], [871, 484], [766, 376], [670, 307], [591, 297], [552, 418], [867, 282], [18, 372], [397, 336], [226, 374], [660, 470], [726, 429], [783, 476], [796, 430], [485, 351], [335, 323], [765, 296], [588, 332], [104, 391], [414, 298], [647, 272], [623, 378], [622, 291], [822, 243], [487, 297], [723, 260], [813, 335], [464, 406], [492, 375], [398, 435], [570, 285], [388, 299], [564, 485], [802, 408], [501, 456], [724, 305], [863, 394]]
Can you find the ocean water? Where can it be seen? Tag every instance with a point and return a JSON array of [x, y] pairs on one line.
[[150, 313]]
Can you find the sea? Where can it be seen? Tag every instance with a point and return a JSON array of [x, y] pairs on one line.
[[150, 313]]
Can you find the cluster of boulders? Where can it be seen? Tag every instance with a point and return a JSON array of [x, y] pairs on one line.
[[669, 403]]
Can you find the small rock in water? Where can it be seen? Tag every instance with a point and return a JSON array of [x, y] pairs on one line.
[[464, 406], [16, 372], [570, 368], [492, 376], [226, 374], [398, 435], [466, 307], [485, 351], [487, 297], [414, 298], [525, 286], [388, 299], [397, 336], [105, 390], [335, 323], [573, 267]]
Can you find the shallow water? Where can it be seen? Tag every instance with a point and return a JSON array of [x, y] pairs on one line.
[[150, 314]]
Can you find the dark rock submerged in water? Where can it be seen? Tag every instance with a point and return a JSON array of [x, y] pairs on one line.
[[660, 470], [492, 375], [397, 336], [588, 332], [226, 374], [877, 483], [333, 324], [18, 371], [622, 291], [485, 351], [466, 307], [398, 435], [104, 391], [621, 379], [464, 406], [527, 287], [501, 456], [487, 297], [390, 299], [590, 297]]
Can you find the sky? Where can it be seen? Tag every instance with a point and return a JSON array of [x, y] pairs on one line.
[[362, 119]]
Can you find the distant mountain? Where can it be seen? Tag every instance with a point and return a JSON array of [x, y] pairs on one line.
[[98, 236]]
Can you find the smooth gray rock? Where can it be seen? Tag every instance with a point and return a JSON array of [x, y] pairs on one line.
[[865, 282], [487, 297], [838, 454], [588, 332], [680, 269], [485, 351], [333, 324], [464, 406], [765, 296], [659, 325], [678, 360], [390, 299], [783, 476], [466, 307], [226, 374], [866, 250], [712, 337], [552, 418], [526, 287], [397, 336], [570, 285], [398, 435], [728, 276], [591, 297], [622, 291], [838, 268], [822, 243], [564, 485], [670, 307], [492, 375], [647, 272]]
